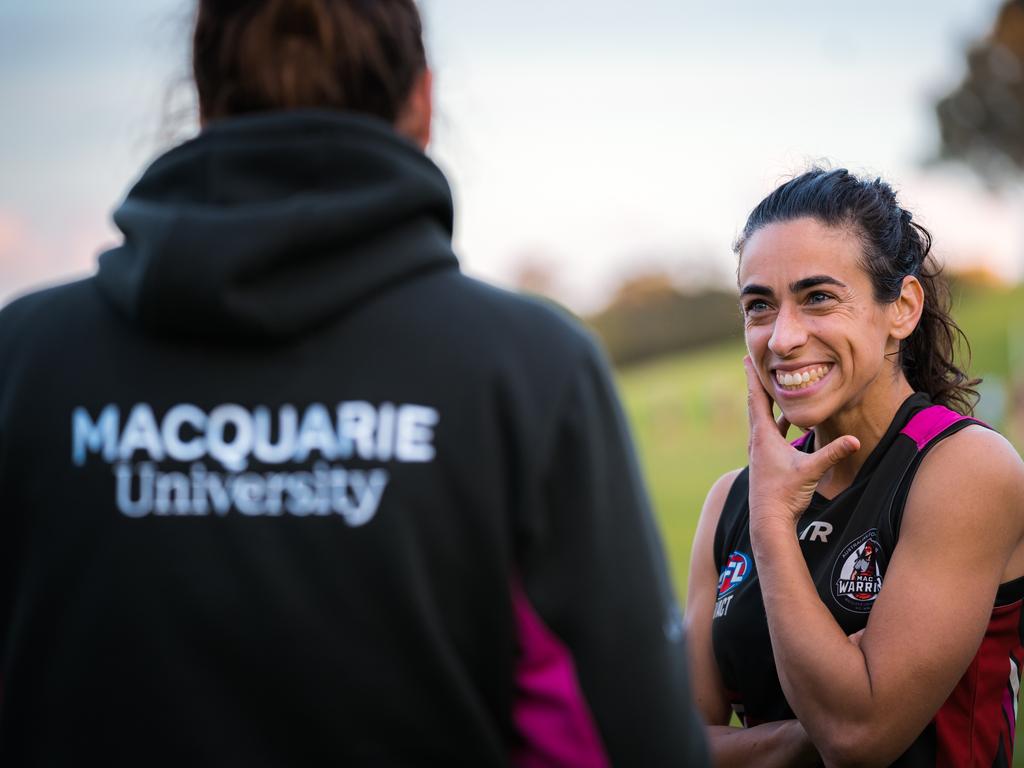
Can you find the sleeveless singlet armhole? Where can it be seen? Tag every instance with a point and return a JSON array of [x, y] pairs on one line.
[[899, 500], [737, 490], [1008, 592]]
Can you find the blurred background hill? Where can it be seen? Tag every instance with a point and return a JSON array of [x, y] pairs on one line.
[[650, 316]]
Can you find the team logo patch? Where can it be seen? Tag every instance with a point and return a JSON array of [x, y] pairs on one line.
[[857, 575], [735, 570]]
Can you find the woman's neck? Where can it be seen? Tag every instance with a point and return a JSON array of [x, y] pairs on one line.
[[868, 419]]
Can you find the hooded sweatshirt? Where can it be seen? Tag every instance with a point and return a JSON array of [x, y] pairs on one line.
[[280, 486]]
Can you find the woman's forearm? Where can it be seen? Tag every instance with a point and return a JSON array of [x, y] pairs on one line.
[[782, 744], [823, 674]]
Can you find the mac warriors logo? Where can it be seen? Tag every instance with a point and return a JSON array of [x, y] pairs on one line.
[[857, 574]]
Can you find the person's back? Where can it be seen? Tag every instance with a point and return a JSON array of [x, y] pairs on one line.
[[280, 486]]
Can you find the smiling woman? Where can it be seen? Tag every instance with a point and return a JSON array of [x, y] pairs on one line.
[[837, 310], [856, 596]]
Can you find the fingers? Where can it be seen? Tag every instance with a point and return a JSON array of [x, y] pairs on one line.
[[856, 636], [759, 407], [834, 452]]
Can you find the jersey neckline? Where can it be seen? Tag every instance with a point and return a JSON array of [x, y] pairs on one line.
[[911, 405]]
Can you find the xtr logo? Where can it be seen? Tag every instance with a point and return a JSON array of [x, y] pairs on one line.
[[819, 530]]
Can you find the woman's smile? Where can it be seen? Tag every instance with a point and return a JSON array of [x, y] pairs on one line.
[[801, 381]]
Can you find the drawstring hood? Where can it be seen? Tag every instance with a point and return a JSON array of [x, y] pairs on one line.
[[266, 226]]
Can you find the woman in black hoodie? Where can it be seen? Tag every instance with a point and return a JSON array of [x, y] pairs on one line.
[[280, 486]]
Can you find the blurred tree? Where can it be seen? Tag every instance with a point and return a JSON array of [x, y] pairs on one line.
[[537, 272], [644, 289], [982, 120], [648, 316]]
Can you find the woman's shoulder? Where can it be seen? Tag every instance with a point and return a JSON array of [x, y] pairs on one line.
[[723, 484], [976, 475], [976, 456], [719, 492], [714, 505]]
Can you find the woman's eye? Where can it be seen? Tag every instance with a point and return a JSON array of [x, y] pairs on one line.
[[754, 307], [819, 297]]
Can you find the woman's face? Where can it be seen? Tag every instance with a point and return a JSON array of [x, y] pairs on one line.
[[815, 333]]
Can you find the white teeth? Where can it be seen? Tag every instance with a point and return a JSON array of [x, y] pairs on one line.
[[802, 379]]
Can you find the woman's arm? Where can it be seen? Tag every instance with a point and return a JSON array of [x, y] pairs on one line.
[[783, 743], [864, 703]]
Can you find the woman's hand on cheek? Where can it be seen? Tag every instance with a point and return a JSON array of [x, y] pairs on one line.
[[782, 478]]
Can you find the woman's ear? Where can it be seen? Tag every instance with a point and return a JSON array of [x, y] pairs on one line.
[[414, 120], [906, 311]]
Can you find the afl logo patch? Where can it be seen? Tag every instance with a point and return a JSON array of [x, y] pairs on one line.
[[736, 569], [857, 574]]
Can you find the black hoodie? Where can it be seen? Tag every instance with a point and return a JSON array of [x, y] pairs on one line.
[[280, 486]]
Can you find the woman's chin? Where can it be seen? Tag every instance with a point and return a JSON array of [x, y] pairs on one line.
[[804, 418]]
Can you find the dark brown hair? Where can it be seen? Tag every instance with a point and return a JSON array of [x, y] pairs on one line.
[[894, 246], [264, 55]]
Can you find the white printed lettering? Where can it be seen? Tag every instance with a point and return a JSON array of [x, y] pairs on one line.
[[263, 448], [722, 606], [232, 453], [818, 531], [172, 494], [99, 437], [141, 434], [178, 416], [385, 431], [143, 505], [232, 435], [316, 434], [416, 433], [356, 423]]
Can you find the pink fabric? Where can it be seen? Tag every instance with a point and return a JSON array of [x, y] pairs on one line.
[[800, 441], [925, 425], [550, 711]]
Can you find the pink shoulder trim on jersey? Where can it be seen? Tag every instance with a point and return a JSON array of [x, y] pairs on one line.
[[550, 711], [924, 426], [799, 442]]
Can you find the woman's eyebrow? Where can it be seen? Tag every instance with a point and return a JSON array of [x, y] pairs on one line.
[[814, 280], [759, 290], [800, 285]]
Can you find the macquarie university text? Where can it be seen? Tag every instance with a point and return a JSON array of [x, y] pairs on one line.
[[220, 444]]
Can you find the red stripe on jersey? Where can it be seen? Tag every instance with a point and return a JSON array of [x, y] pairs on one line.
[[979, 714]]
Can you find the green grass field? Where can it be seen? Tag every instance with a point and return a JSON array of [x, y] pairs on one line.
[[688, 414]]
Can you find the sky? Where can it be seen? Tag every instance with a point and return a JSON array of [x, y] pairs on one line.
[[594, 139]]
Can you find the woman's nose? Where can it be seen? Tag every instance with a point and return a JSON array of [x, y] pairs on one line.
[[788, 333]]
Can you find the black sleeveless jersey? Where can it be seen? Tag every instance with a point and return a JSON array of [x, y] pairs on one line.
[[847, 542]]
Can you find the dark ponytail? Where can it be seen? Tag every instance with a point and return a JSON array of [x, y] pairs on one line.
[[265, 55], [894, 246]]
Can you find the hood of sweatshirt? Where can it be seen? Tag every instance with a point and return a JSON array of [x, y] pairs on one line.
[[269, 225]]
